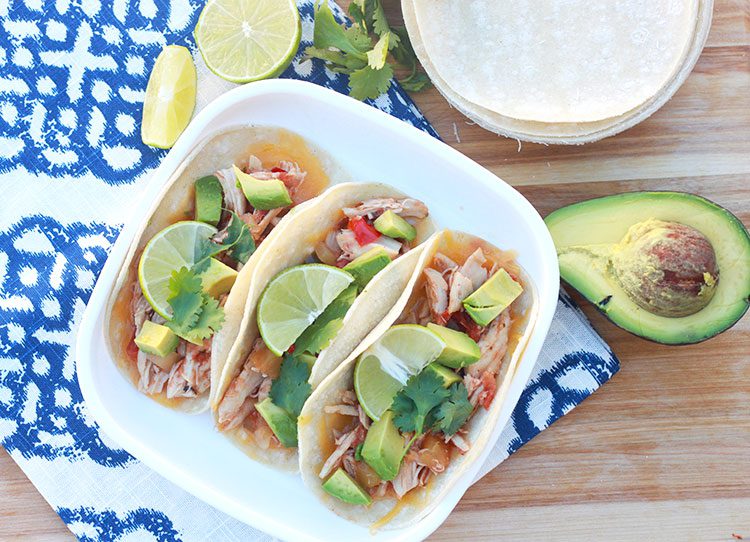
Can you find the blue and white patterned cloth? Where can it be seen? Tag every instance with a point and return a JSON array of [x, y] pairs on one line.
[[72, 80]]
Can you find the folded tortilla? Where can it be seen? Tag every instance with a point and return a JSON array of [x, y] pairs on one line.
[[174, 203], [388, 512], [308, 228]]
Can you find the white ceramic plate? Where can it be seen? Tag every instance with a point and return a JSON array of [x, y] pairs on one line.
[[371, 146]]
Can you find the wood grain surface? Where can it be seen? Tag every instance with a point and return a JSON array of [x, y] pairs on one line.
[[662, 451]]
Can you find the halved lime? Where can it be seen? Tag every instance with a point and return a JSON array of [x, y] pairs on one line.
[[248, 40], [294, 299], [167, 251], [385, 367], [170, 97]]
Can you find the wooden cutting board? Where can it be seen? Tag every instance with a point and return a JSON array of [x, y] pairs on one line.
[[662, 451]]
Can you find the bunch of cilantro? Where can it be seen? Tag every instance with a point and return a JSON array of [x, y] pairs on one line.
[[425, 404], [196, 316], [362, 50]]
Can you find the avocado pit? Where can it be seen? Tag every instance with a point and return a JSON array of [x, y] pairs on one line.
[[666, 268]]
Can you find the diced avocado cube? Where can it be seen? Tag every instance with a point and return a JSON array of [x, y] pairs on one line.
[[367, 266], [384, 447], [449, 377], [218, 278], [460, 349], [156, 339], [392, 225], [492, 297], [208, 198], [283, 425], [345, 488], [307, 358], [263, 195]]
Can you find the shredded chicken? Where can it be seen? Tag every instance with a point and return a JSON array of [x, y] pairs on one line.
[[437, 295], [152, 378], [473, 269], [191, 376], [443, 263], [410, 475], [237, 401], [141, 308], [351, 249], [234, 198], [346, 410], [460, 442], [262, 223], [493, 345], [460, 288], [343, 444], [405, 208]]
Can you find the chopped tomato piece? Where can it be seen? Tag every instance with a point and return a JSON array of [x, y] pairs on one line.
[[277, 170], [291, 349], [465, 322], [364, 233], [489, 384]]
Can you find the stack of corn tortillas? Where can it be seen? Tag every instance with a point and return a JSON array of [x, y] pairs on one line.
[[557, 71]]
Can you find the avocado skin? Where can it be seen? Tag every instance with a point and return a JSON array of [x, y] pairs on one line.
[[582, 229]]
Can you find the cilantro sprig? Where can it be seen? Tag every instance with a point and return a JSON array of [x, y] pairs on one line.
[[362, 50], [291, 389], [238, 243], [425, 404], [195, 315]]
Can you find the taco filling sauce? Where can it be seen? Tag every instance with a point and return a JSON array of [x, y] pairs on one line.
[[464, 296], [170, 359], [264, 399]]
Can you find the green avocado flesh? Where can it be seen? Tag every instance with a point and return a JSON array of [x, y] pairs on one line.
[[263, 195], [283, 425], [460, 349], [345, 488], [492, 298], [593, 241], [156, 339], [392, 225], [218, 279], [208, 196], [384, 447], [444, 373], [366, 266]]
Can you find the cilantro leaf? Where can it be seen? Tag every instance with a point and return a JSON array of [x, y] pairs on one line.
[[291, 389], [415, 82], [238, 242], [326, 326], [328, 33], [195, 315], [368, 83], [454, 411], [336, 60], [413, 405]]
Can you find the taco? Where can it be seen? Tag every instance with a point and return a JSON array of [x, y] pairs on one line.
[[228, 198], [386, 435], [310, 304]]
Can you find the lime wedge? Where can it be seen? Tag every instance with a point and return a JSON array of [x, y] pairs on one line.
[[248, 40], [167, 251], [385, 367], [294, 299], [170, 97]]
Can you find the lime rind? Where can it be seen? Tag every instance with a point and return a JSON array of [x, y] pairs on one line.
[[280, 24]]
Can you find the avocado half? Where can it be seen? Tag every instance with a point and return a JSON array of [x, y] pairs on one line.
[[590, 236]]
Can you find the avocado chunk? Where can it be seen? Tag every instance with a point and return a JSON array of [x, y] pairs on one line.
[[666, 266], [384, 447], [366, 266], [218, 278], [460, 349], [449, 377], [208, 197], [392, 225], [283, 425], [263, 195], [345, 488], [156, 339], [307, 358], [492, 297]]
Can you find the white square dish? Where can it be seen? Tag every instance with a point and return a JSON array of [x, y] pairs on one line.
[[371, 146]]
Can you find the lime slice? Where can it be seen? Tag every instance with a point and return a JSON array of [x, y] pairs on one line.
[[248, 40], [170, 97], [385, 367], [294, 299], [167, 251]]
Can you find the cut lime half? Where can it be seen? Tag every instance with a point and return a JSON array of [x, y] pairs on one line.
[[248, 40], [385, 367], [170, 97], [294, 299], [168, 251]]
